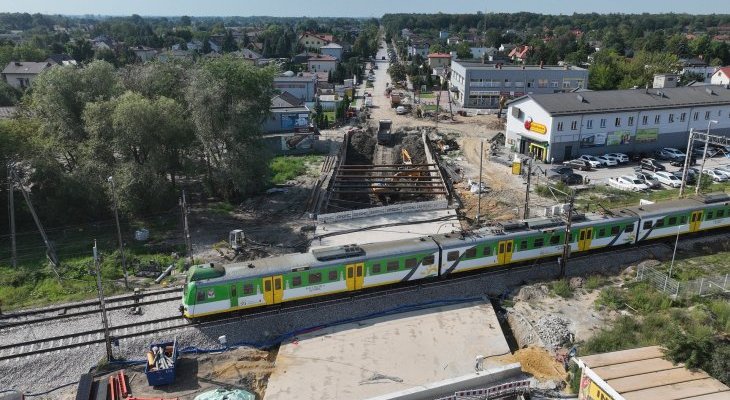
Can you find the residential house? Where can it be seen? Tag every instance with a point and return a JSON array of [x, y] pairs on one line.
[[321, 63], [7, 112], [418, 48], [143, 53], [453, 40], [311, 40], [698, 68], [721, 76], [20, 74], [443, 35], [519, 54], [332, 49], [483, 52], [406, 33], [439, 61], [300, 86], [287, 114], [329, 102], [248, 55], [168, 55], [102, 42], [302, 57], [61, 59]]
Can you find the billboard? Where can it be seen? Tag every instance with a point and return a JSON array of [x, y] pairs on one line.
[[592, 139], [647, 135], [294, 121], [618, 137]]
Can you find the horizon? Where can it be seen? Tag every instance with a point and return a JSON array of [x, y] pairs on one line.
[[326, 9]]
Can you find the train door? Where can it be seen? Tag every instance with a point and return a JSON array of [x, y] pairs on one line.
[[584, 239], [273, 289], [355, 276], [504, 252], [234, 296], [695, 221]]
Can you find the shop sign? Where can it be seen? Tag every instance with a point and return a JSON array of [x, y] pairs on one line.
[[592, 139], [618, 137], [536, 127], [647, 135]]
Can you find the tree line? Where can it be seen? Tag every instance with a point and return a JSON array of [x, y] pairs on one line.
[[152, 127]]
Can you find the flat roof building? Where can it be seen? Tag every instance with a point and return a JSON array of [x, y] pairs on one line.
[[643, 374], [480, 85], [563, 126]]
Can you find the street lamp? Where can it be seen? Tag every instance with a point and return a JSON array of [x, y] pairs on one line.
[[704, 155], [119, 231]]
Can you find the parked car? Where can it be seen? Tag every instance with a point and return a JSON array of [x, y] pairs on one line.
[[711, 151], [651, 165], [679, 162], [595, 162], [559, 170], [724, 168], [669, 153], [647, 179], [630, 183], [568, 178], [582, 165], [691, 178], [607, 161], [669, 179], [716, 175], [400, 110], [620, 157]]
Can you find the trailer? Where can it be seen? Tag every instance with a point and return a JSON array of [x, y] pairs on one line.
[[161, 363], [385, 135], [395, 99]]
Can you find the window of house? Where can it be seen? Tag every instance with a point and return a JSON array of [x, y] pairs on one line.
[[487, 251], [452, 256], [589, 124], [332, 275], [656, 119], [296, 281], [543, 83], [248, 288], [617, 122], [603, 122], [682, 117], [315, 277], [615, 230], [696, 116], [574, 125], [707, 115], [560, 126], [392, 266], [629, 228], [671, 118], [470, 253], [566, 84], [555, 239], [631, 121], [411, 262], [554, 84], [539, 242], [644, 120]]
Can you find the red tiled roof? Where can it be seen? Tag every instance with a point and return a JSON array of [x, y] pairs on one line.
[[323, 36], [724, 70], [439, 55]]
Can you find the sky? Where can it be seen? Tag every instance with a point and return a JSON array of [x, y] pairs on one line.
[[350, 8]]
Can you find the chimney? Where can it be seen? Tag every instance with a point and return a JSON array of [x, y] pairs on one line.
[[542, 66]]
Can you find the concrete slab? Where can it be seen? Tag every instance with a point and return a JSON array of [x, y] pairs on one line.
[[416, 224], [389, 354]]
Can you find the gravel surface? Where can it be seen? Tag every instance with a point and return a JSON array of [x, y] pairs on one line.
[[553, 331]]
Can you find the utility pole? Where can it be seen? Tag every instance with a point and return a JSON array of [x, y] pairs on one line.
[[479, 190], [11, 209], [704, 156], [566, 243], [119, 232], [686, 162], [527, 190], [186, 229], [102, 306]]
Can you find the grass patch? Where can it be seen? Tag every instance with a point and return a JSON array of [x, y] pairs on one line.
[[611, 298], [427, 96], [613, 198], [595, 281], [286, 168], [429, 107], [221, 208], [561, 288], [689, 265]]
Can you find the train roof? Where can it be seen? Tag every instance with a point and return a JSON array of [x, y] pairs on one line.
[[664, 207], [322, 258]]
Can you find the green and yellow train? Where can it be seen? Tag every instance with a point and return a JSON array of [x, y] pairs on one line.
[[219, 289]]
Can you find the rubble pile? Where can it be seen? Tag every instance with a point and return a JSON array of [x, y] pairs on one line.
[[528, 293], [553, 331], [413, 143], [361, 149]]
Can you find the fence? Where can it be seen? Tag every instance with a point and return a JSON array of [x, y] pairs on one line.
[[494, 392], [705, 286]]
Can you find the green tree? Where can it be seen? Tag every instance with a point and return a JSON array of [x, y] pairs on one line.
[[9, 96], [463, 51], [229, 43], [604, 72], [397, 72]]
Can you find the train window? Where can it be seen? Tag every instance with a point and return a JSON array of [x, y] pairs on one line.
[[392, 266], [709, 215], [615, 230], [659, 223], [233, 291], [411, 263], [629, 228], [487, 251], [296, 281], [267, 286], [349, 273], [523, 245], [602, 232], [539, 242], [277, 283], [683, 220], [672, 221], [332, 275], [720, 213], [376, 268], [315, 277], [555, 239], [647, 225], [200, 296], [248, 288], [452, 256], [470, 253], [428, 260]]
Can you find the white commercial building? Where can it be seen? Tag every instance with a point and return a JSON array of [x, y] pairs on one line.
[[562, 126]]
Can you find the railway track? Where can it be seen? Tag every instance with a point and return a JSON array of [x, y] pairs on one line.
[[27, 317]]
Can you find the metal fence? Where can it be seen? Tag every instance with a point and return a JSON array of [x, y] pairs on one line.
[[705, 286]]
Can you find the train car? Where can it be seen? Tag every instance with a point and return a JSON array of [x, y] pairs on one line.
[[213, 289]]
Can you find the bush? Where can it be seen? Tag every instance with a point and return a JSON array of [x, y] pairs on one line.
[[645, 299], [562, 288], [594, 282], [612, 298]]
